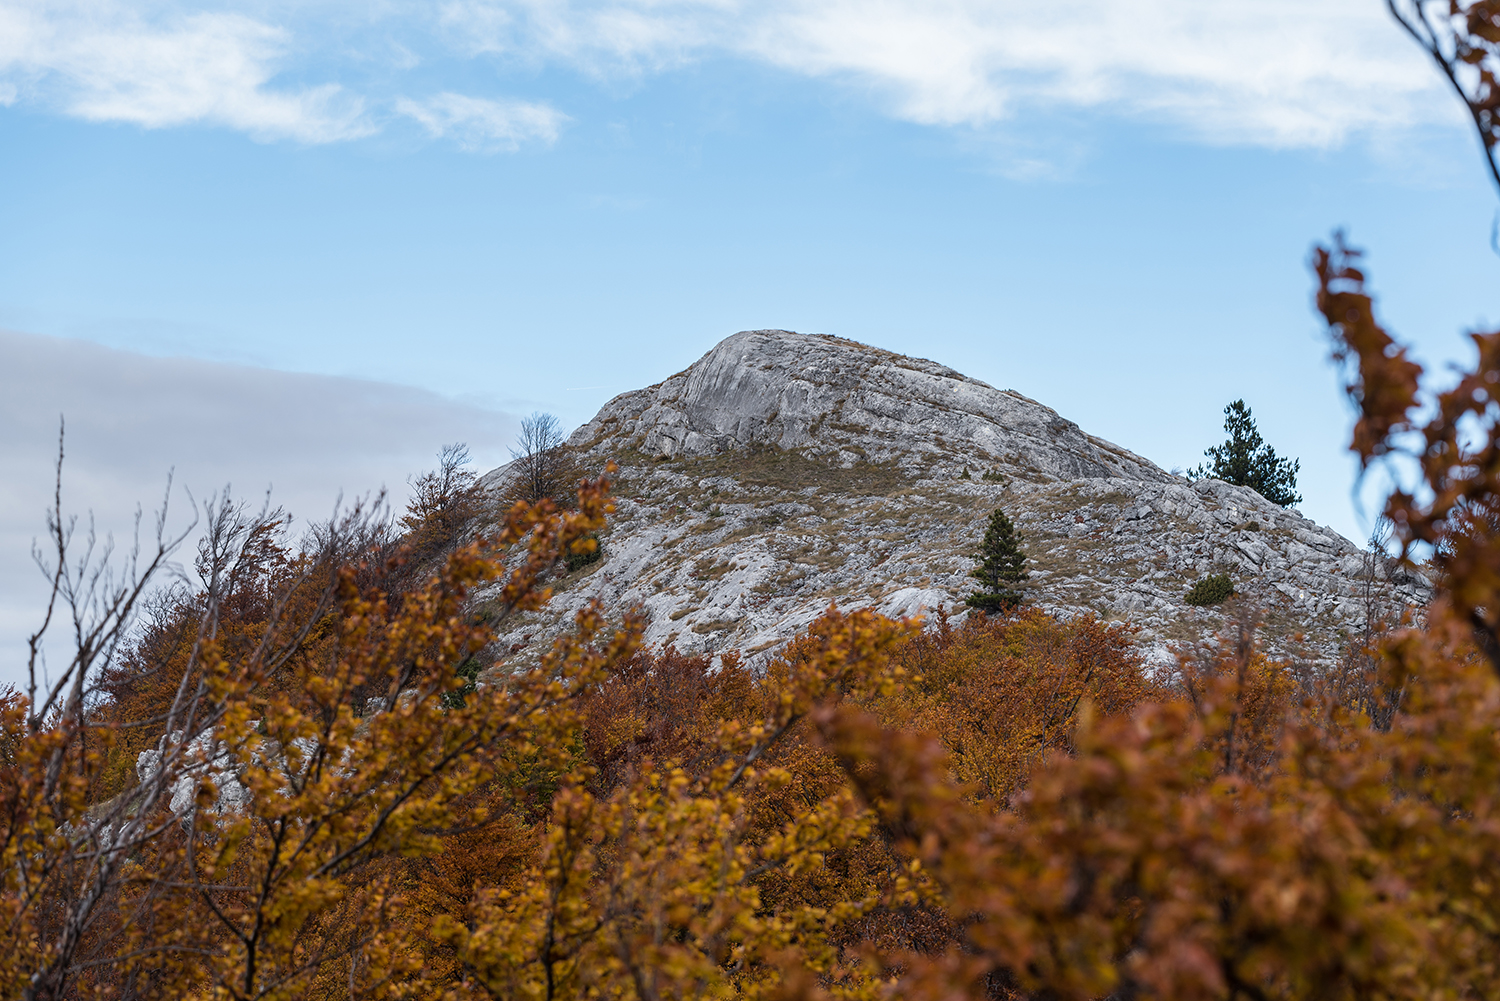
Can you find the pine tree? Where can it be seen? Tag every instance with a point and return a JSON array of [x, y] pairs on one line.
[[1001, 569], [1247, 461]]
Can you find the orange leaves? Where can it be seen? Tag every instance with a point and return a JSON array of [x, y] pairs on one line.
[[1230, 842], [37, 801], [1456, 508], [547, 534], [903, 774], [334, 796], [1463, 40], [1006, 809], [701, 872], [1459, 458], [1002, 694], [841, 653], [1384, 383], [1128, 867], [719, 851], [334, 713]]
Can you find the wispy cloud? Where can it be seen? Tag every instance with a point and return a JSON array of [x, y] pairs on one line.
[[481, 125], [106, 63], [1273, 72], [601, 37], [1267, 72]]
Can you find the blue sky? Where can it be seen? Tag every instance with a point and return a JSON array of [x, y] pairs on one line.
[[517, 205]]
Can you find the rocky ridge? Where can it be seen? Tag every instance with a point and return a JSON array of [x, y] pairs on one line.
[[783, 472]]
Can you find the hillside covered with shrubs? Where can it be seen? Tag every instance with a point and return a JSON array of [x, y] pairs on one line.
[[321, 771], [309, 778]]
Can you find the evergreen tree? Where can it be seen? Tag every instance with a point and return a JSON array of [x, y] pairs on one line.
[[1247, 461], [1001, 569]]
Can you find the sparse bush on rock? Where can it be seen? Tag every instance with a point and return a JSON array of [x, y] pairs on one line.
[[585, 552], [1215, 589]]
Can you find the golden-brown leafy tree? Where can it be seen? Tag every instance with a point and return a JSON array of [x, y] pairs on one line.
[[445, 503], [1463, 40], [652, 892], [704, 843], [245, 858], [1002, 694]]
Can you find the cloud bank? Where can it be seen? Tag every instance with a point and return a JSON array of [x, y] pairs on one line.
[[133, 418], [1279, 73]]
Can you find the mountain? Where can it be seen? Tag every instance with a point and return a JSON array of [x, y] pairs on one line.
[[784, 471]]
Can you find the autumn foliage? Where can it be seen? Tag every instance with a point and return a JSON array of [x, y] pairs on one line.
[[291, 783], [1012, 807], [313, 773]]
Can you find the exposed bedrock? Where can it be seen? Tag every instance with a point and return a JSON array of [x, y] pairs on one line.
[[782, 472]]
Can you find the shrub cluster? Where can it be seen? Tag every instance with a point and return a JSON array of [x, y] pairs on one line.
[[882, 812], [1215, 589], [590, 555]]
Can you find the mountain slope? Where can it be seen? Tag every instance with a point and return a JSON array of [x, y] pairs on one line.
[[784, 471]]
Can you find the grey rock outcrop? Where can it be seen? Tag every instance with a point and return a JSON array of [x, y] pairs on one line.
[[846, 402], [205, 756], [783, 472]]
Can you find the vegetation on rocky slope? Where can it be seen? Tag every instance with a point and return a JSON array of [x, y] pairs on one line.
[[291, 782], [288, 786]]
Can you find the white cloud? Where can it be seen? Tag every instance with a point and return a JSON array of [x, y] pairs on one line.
[[598, 37], [103, 62], [482, 125], [1268, 72], [1274, 72]]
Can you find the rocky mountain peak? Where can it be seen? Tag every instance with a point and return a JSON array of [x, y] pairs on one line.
[[846, 402], [782, 472]]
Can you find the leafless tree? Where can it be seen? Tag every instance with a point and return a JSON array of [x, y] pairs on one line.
[[1353, 681], [99, 598], [543, 466]]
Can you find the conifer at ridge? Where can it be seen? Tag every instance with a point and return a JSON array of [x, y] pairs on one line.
[[1247, 461]]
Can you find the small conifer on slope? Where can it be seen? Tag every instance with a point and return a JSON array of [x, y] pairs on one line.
[[1001, 569]]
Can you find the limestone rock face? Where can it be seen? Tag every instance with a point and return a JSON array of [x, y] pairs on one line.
[[783, 472], [846, 402]]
